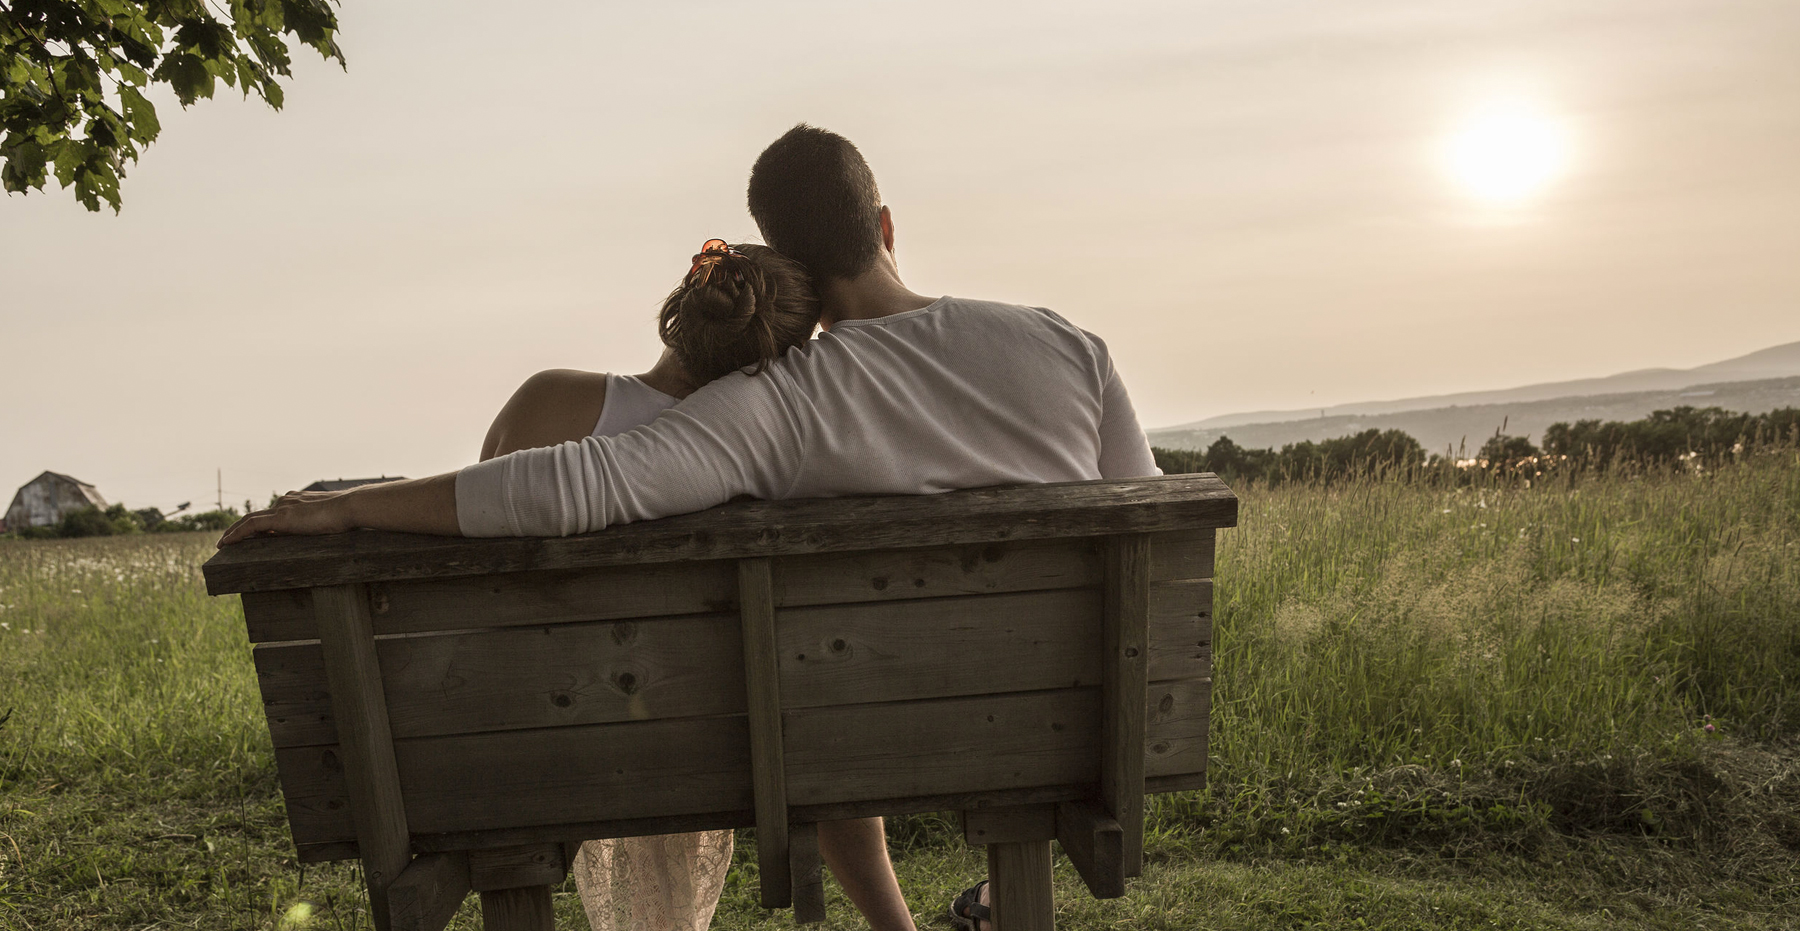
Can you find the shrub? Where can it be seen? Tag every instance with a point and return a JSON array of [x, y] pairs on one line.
[[93, 522], [1503, 448]]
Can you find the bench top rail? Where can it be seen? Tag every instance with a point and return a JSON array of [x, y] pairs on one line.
[[743, 529]]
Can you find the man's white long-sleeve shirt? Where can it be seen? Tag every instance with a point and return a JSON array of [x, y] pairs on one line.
[[958, 394]]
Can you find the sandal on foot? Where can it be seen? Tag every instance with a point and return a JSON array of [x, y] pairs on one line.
[[967, 912]]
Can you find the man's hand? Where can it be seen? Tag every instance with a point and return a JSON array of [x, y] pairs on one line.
[[297, 512]]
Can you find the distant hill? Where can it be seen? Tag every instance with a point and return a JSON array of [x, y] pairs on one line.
[[1773, 363], [1447, 426]]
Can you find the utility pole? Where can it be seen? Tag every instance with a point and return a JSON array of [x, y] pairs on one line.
[[221, 503]]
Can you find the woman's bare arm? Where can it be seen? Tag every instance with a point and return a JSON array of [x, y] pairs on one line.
[[551, 407], [420, 505]]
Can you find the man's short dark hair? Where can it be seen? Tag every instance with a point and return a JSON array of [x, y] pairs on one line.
[[814, 199]]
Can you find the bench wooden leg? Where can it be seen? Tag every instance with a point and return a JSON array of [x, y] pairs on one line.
[[1019, 889], [808, 873], [526, 908]]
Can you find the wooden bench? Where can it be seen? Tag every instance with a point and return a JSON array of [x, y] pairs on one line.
[[460, 714]]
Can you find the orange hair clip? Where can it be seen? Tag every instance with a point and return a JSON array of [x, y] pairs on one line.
[[711, 253]]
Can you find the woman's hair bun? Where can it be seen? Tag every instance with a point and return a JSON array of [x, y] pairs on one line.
[[738, 306], [725, 295]]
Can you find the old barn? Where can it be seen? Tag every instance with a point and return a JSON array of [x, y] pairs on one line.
[[44, 500]]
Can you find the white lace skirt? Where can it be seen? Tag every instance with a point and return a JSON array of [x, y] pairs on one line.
[[670, 882]]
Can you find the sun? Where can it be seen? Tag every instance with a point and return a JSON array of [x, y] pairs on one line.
[[1504, 155]]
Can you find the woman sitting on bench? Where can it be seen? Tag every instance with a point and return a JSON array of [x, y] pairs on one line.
[[738, 307]]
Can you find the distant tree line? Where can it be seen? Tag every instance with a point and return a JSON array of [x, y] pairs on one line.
[[1698, 436], [1707, 433], [1358, 455], [118, 520]]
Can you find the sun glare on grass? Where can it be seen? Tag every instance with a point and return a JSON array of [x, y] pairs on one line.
[[1504, 155]]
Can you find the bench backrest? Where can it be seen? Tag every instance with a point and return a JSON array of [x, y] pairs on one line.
[[853, 656]]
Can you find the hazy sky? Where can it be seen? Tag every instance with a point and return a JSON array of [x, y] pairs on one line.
[[1255, 204]]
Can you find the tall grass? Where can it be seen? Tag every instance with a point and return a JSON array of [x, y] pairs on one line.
[[1490, 665], [1499, 678], [136, 777], [120, 666]]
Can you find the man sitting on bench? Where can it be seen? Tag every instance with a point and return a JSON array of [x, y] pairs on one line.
[[902, 394]]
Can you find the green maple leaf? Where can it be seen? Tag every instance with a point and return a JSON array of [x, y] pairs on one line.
[[71, 73]]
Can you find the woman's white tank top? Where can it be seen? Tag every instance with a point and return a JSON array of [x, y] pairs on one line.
[[629, 404]]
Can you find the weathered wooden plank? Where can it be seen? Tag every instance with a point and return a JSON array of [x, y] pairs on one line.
[[279, 615], [371, 778], [586, 830], [751, 528], [1019, 886], [986, 742], [522, 778], [762, 688], [336, 850], [1182, 554], [296, 697], [961, 750], [930, 572], [514, 599], [1095, 845], [1125, 677], [540, 864], [665, 589], [690, 666], [429, 892], [805, 865], [901, 651], [515, 678], [1008, 825], [729, 820], [523, 909]]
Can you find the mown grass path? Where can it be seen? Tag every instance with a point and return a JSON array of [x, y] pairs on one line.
[[1568, 706]]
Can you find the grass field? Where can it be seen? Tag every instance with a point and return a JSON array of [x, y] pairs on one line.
[[1568, 706]]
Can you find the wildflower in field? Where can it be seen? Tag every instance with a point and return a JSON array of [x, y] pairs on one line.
[[298, 915]]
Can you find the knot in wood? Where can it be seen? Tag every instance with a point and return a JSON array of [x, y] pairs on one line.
[[627, 683]]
